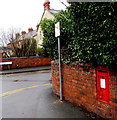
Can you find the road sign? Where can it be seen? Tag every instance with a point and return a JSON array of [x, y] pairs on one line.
[[57, 29]]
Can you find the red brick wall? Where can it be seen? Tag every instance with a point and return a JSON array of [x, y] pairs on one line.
[[79, 87], [26, 62]]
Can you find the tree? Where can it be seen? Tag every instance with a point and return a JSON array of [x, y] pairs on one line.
[[28, 48], [9, 37], [24, 48]]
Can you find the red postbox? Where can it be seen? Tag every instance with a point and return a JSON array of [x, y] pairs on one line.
[[103, 84]]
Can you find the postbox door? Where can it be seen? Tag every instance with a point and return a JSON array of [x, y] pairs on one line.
[[103, 87]]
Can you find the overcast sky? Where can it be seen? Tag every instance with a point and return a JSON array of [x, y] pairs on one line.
[[24, 13]]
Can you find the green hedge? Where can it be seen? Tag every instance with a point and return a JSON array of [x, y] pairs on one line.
[[88, 32]]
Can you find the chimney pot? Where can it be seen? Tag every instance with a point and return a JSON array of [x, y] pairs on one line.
[[30, 29], [17, 35], [23, 32], [46, 4]]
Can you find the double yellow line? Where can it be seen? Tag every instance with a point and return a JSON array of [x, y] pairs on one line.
[[21, 89]]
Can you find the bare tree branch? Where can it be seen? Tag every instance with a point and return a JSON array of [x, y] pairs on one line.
[[9, 37]]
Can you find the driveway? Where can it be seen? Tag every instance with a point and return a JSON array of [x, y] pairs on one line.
[[29, 95]]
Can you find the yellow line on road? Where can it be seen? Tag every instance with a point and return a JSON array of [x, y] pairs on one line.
[[18, 90]]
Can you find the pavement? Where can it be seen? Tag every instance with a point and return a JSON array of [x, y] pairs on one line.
[[20, 70]]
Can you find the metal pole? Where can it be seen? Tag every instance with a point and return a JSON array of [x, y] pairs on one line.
[[59, 53]]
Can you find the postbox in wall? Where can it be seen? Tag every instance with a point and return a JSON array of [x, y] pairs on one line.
[[103, 84]]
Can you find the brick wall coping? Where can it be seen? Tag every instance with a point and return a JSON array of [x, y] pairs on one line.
[[23, 57]]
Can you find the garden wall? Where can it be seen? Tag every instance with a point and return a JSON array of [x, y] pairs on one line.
[[25, 62], [79, 88]]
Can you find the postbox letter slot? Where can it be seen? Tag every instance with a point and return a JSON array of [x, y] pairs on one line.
[[103, 83]]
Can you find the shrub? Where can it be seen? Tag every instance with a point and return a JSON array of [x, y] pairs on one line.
[[40, 52]]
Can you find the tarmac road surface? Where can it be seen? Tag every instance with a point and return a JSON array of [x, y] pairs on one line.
[[29, 95]]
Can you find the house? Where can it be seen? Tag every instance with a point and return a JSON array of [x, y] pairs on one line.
[[49, 14], [31, 34], [37, 34], [19, 38]]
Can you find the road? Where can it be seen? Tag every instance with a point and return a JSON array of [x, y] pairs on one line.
[[29, 95]]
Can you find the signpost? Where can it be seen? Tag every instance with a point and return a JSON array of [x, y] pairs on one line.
[[57, 34], [57, 29]]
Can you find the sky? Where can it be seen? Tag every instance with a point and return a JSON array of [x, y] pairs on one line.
[[24, 14]]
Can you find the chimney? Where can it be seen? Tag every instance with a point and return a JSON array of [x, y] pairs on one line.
[[37, 27], [23, 32], [46, 4], [30, 29], [17, 35]]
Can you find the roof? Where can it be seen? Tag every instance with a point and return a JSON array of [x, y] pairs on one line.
[[28, 35], [52, 11]]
